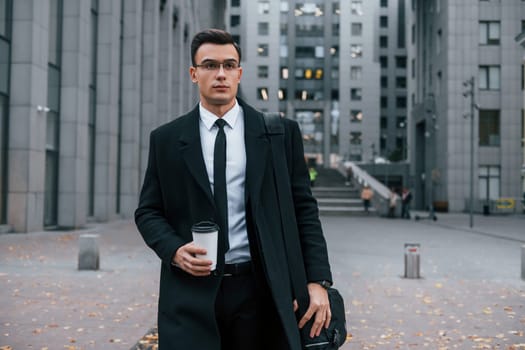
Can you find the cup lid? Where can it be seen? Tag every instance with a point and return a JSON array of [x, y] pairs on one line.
[[204, 227]]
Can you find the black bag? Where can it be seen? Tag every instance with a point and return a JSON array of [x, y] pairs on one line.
[[334, 336]]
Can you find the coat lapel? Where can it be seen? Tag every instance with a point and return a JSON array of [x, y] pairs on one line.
[[191, 150], [257, 147]]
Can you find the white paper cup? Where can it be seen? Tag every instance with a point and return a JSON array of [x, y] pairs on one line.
[[205, 235]]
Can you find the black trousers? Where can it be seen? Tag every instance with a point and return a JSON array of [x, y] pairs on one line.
[[246, 315]]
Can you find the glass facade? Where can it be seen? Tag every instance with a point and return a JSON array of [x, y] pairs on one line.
[[92, 108], [5, 51], [53, 116]]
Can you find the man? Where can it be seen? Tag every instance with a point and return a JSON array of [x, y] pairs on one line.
[[406, 198], [247, 302]]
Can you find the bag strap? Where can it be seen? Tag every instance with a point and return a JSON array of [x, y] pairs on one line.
[[275, 132]]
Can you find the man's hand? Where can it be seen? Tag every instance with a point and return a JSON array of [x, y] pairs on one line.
[[319, 306], [185, 259]]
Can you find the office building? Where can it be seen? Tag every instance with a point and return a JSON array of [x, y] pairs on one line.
[[461, 50], [82, 83]]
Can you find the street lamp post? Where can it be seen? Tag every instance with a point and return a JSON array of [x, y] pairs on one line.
[[469, 85]]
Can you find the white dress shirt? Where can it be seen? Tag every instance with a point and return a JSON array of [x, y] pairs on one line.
[[235, 175]]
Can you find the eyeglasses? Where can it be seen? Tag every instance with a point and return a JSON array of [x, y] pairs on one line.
[[213, 66]]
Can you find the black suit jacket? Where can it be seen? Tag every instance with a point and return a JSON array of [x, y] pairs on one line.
[[176, 194]]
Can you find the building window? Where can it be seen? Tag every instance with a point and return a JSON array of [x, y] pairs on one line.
[[489, 77], [262, 50], [384, 102], [401, 102], [401, 82], [281, 94], [356, 137], [356, 72], [236, 3], [53, 116], [401, 62], [383, 21], [356, 7], [383, 3], [309, 9], [284, 73], [383, 41], [335, 29], [489, 128], [284, 6], [235, 20], [263, 28], [92, 108], [489, 182], [283, 51], [5, 18], [237, 39], [306, 95], [335, 73], [334, 51], [309, 30], [305, 52], [336, 10], [383, 122], [383, 61], [384, 82], [401, 122], [356, 116], [357, 29], [356, 94], [489, 32], [263, 7], [262, 93], [356, 51], [262, 71]]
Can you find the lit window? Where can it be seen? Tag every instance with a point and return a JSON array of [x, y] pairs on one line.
[[356, 116], [356, 50], [319, 73], [284, 73], [356, 7], [262, 93], [262, 50], [308, 73], [264, 7]]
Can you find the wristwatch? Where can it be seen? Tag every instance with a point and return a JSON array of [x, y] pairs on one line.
[[325, 284]]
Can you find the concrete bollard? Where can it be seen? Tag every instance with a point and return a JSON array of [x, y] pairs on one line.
[[412, 260], [88, 254], [523, 262]]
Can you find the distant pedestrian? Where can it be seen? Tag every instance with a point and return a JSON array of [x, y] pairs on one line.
[[366, 196], [349, 175], [392, 202], [406, 198], [313, 175]]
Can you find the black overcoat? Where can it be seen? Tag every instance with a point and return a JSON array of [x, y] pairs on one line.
[[176, 194]]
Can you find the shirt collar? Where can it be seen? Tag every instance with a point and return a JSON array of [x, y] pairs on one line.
[[208, 118]]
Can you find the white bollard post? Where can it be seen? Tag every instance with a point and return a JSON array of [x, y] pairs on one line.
[[412, 260], [88, 254]]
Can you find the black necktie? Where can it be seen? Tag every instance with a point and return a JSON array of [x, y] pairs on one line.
[[219, 191]]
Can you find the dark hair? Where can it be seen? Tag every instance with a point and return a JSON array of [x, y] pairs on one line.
[[212, 36]]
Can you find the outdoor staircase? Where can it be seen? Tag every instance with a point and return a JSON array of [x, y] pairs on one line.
[[335, 196]]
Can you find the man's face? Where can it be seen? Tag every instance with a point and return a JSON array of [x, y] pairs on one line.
[[218, 87]]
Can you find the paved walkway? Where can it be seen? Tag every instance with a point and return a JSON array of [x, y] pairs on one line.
[[471, 295]]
